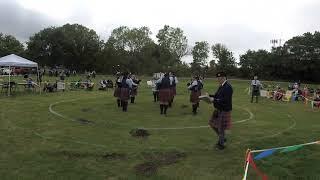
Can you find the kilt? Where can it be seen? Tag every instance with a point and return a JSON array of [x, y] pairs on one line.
[[165, 96], [194, 97], [173, 91], [255, 93], [124, 94], [134, 92], [117, 92], [220, 120]]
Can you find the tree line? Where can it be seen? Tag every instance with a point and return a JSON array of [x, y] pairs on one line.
[[75, 46]]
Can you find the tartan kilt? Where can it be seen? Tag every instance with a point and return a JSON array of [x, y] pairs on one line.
[[134, 92], [117, 92], [173, 91], [221, 119], [194, 97], [256, 93], [165, 96], [124, 94]]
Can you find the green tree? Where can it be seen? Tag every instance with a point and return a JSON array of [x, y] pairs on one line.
[[173, 40], [10, 45], [128, 46], [200, 53], [255, 63], [71, 45], [225, 60]]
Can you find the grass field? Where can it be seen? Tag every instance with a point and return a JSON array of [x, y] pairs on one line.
[[83, 135]]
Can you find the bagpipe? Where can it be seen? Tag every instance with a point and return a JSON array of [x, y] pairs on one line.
[[198, 87], [136, 81]]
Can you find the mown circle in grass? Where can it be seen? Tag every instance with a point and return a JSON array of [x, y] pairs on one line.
[[126, 125]]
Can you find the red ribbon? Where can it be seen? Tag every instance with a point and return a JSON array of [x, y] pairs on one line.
[[256, 169]]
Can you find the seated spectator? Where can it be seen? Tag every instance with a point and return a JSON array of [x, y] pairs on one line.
[[109, 84], [316, 101], [62, 76], [30, 83], [305, 92], [48, 87], [103, 85], [296, 92], [278, 95]]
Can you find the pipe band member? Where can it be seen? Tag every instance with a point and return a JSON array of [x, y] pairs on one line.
[[117, 89], [195, 88], [126, 87], [255, 87], [163, 85], [134, 91], [221, 117], [173, 85]]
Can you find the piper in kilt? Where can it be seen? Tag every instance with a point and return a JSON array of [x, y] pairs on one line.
[[163, 85], [173, 89], [126, 86], [134, 90], [255, 87], [221, 117], [117, 89], [195, 88]]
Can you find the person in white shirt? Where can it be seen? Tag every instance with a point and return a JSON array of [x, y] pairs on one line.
[[126, 86], [255, 88], [173, 84], [195, 88], [134, 90], [155, 90]]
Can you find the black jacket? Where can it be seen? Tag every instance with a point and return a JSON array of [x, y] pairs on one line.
[[165, 83], [223, 98]]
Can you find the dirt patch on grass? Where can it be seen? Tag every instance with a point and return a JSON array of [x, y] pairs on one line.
[[165, 158], [84, 121], [86, 109], [114, 156], [139, 133], [155, 160], [146, 169], [77, 155], [72, 154], [184, 106]]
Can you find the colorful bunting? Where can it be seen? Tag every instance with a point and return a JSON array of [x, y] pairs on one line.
[[268, 152], [264, 154], [254, 166], [292, 148]]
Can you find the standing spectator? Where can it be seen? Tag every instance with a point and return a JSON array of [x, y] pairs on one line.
[[255, 88]]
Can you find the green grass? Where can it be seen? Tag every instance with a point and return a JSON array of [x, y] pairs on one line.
[[36, 144]]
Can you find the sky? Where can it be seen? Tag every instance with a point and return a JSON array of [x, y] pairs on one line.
[[239, 24]]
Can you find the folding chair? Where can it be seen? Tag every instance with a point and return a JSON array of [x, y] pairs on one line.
[[287, 97]]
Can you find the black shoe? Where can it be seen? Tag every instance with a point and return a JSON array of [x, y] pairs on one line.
[[225, 141], [220, 147]]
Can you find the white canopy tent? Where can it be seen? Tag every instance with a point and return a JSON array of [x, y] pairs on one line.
[[13, 60]]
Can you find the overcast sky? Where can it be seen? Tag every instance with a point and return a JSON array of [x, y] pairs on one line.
[[239, 24]]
